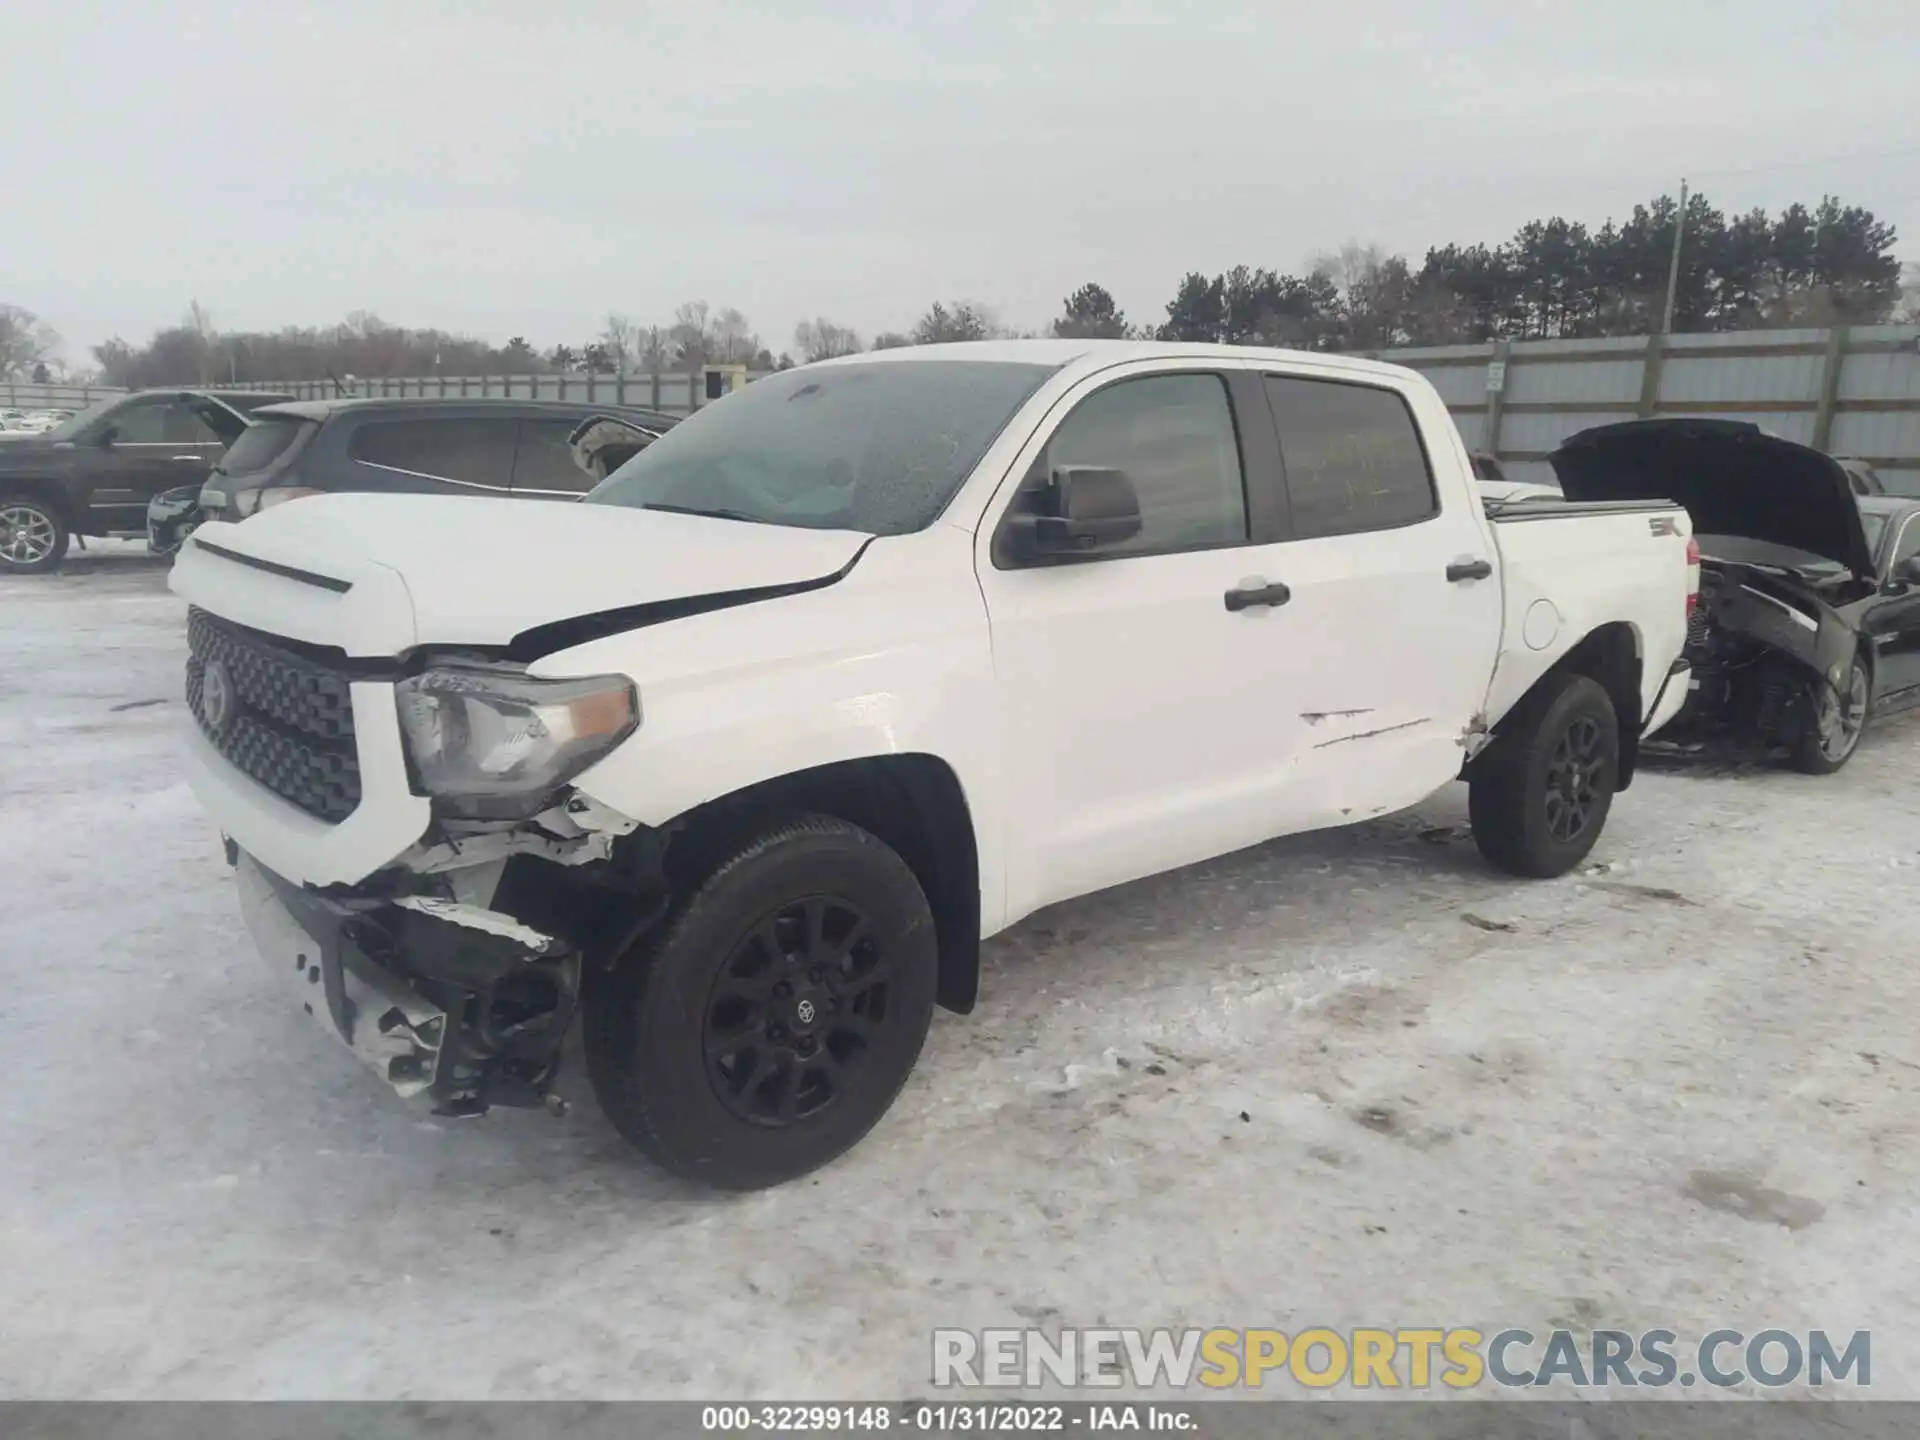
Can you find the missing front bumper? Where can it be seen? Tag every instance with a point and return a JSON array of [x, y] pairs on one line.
[[463, 1004]]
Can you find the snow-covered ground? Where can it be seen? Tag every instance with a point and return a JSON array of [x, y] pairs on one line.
[[1351, 1079]]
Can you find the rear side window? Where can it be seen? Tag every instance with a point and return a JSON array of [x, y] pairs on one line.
[[261, 444], [1353, 457], [545, 461], [476, 453]]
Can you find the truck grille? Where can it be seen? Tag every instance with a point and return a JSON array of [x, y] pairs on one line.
[[278, 717]]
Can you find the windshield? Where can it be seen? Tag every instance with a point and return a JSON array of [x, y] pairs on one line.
[[874, 447]]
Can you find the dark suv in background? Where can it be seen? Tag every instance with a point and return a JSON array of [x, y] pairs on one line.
[[520, 448], [96, 472]]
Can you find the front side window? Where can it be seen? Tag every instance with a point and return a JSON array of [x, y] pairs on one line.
[[476, 453], [1174, 437], [160, 422], [1353, 457], [878, 447]]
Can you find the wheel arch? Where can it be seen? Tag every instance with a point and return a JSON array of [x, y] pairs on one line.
[[48, 491], [1612, 655], [913, 802]]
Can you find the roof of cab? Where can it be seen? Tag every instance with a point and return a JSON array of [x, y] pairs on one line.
[[1098, 354]]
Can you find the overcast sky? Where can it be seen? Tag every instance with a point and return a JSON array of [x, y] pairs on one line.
[[524, 168]]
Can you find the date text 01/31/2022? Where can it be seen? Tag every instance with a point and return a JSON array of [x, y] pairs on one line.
[[944, 1419]]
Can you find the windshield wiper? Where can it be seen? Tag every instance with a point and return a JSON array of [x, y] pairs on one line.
[[699, 510]]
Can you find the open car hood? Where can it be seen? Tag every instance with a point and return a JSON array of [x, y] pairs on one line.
[[1733, 479]]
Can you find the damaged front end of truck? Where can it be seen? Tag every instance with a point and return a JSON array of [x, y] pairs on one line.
[[1784, 561], [454, 969]]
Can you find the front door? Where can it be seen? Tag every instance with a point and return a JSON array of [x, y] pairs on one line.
[[1147, 720], [150, 445]]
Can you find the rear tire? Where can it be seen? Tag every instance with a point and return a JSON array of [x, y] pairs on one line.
[[1538, 796], [1833, 734], [767, 1027], [33, 535]]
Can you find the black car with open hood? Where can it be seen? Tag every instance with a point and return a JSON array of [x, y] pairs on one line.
[[1808, 616], [1732, 477]]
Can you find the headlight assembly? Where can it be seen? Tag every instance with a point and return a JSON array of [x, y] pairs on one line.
[[495, 744]]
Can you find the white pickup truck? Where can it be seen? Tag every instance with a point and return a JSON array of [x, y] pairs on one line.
[[742, 755]]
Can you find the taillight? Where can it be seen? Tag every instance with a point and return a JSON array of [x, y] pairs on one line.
[[1693, 575]]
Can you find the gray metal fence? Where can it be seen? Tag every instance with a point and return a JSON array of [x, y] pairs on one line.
[[676, 394], [1851, 391], [29, 396]]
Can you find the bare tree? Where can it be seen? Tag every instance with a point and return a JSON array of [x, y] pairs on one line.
[[24, 341], [732, 339], [619, 337], [688, 337], [1909, 312], [653, 349], [822, 339]]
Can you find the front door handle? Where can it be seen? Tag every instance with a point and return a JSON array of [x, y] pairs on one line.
[[190, 459], [1254, 595], [1469, 570]]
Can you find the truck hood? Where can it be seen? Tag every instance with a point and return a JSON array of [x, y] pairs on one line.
[[377, 575], [1733, 479]]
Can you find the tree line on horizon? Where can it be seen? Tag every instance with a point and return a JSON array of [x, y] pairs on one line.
[[1814, 266]]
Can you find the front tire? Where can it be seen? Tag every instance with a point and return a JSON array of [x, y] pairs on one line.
[[33, 535], [1539, 795], [1837, 723], [773, 1020]]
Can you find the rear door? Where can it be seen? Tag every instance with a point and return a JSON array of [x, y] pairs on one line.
[[453, 455], [1395, 616]]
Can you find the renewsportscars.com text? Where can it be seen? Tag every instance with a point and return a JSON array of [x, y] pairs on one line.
[[1321, 1358]]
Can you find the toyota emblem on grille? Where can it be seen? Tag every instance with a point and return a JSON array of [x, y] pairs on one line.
[[216, 696]]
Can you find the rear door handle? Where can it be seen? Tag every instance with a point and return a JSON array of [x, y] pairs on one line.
[[188, 458], [1253, 596], [1469, 570]]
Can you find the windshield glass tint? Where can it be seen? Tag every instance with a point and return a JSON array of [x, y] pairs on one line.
[[878, 447]]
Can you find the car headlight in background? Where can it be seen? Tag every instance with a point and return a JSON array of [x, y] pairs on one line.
[[495, 744]]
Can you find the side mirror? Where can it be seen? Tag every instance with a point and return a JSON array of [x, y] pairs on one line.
[[1081, 509]]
